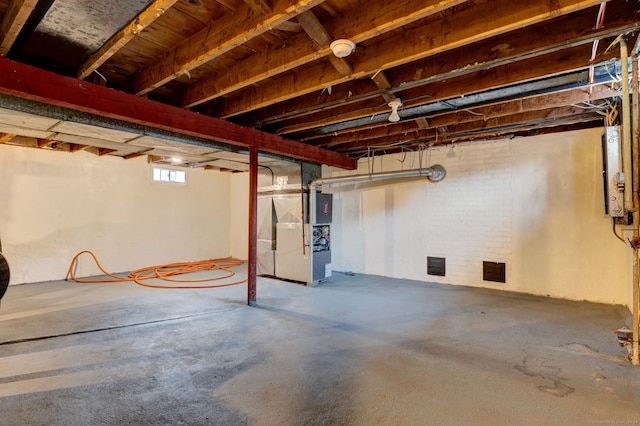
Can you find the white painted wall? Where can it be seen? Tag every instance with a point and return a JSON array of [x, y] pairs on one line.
[[53, 205], [534, 203], [239, 220]]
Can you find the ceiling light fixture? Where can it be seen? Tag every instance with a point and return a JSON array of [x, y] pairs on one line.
[[176, 160], [342, 47], [395, 104], [451, 153]]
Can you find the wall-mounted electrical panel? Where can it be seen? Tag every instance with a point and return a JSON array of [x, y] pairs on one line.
[[614, 179]]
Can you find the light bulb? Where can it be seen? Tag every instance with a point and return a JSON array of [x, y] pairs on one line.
[[395, 104], [451, 153]]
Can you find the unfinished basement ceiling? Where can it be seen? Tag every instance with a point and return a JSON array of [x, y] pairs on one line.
[[463, 70], [69, 31]]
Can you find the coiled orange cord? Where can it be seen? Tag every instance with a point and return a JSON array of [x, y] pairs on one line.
[[165, 272]]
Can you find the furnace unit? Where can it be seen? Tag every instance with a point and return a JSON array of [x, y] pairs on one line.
[[294, 242], [303, 250]]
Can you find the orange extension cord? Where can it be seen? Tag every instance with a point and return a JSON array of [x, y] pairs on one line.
[[165, 272]]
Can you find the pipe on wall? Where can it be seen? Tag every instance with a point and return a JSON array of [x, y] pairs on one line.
[[636, 205], [630, 170], [434, 173], [626, 127]]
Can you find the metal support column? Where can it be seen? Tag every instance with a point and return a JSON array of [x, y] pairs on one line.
[[253, 226]]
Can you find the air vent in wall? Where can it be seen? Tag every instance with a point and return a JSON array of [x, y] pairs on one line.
[[436, 266], [493, 271]]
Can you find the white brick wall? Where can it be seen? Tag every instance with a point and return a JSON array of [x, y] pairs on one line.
[[470, 211], [532, 203]]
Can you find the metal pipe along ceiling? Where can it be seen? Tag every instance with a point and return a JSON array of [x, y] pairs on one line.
[[434, 173]]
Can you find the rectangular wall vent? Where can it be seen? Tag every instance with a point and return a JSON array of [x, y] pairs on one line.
[[493, 271], [436, 266]]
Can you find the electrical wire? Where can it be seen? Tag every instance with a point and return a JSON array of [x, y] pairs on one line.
[[615, 232], [589, 105], [613, 114], [165, 273]]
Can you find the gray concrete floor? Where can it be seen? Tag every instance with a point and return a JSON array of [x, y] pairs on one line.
[[358, 350]]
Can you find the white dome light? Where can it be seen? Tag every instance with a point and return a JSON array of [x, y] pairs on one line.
[[342, 47]]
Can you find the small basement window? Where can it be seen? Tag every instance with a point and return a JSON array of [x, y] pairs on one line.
[[169, 175]]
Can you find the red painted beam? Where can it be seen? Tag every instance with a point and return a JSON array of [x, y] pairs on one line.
[[27, 82], [252, 270]]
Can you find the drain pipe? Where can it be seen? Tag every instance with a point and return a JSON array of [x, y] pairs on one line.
[[434, 174]]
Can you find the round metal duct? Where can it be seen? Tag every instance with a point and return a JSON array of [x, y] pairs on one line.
[[4, 275]]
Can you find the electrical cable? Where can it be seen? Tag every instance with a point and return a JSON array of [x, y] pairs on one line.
[[612, 114], [616, 232], [165, 273], [589, 106]]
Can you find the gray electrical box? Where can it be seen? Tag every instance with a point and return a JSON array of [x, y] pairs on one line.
[[614, 179]]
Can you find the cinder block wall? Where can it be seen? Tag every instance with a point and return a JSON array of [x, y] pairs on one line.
[[534, 204]]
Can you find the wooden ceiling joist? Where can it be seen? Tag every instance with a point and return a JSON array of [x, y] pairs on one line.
[[381, 80], [134, 155], [259, 6], [6, 137], [215, 40], [468, 26], [42, 143], [314, 29], [14, 19], [122, 37], [463, 70], [502, 126], [559, 125], [379, 16], [511, 48], [74, 147], [484, 112], [27, 82], [105, 151], [495, 78]]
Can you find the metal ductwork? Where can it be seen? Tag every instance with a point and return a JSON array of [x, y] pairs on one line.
[[434, 173]]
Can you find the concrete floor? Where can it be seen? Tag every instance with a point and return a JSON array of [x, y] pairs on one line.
[[358, 350]]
